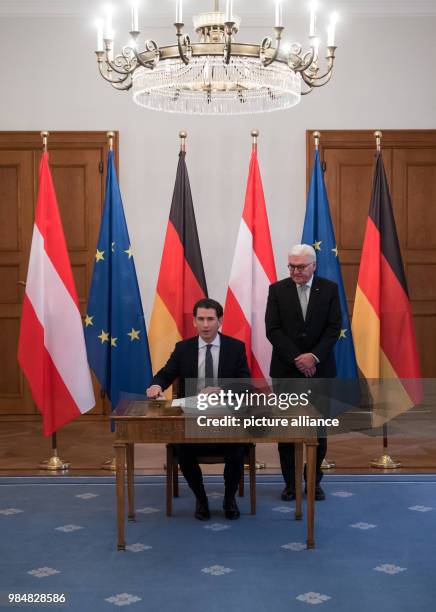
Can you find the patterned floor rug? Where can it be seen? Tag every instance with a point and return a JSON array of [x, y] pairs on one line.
[[375, 550]]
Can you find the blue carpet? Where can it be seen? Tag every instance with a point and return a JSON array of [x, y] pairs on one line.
[[375, 539]]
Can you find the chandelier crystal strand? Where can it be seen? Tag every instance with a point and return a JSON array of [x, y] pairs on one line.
[[216, 75]]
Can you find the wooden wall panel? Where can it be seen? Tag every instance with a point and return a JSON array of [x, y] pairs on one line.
[[16, 222], [10, 207], [10, 379], [9, 285], [425, 330], [70, 181]]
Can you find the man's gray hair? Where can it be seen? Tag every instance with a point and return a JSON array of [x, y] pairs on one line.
[[303, 249]]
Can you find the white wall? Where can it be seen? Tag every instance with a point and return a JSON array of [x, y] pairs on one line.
[[384, 78]]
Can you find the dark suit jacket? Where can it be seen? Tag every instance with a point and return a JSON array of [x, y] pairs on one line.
[[183, 362], [291, 335]]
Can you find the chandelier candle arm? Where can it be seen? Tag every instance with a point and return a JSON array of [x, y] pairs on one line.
[[151, 48], [300, 62], [319, 81], [183, 41], [228, 31], [266, 44]]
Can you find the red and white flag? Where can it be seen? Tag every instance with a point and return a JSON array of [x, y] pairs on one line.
[[253, 270], [51, 349]]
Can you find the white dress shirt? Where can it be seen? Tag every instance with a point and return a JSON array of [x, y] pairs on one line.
[[215, 352]]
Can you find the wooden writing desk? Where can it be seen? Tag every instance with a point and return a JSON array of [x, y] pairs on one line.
[[142, 422]]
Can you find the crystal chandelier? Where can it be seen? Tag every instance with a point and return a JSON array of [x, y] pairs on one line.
[[216, 75]]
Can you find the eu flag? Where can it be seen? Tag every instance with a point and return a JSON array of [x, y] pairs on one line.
[[318, 231], [115, 332]]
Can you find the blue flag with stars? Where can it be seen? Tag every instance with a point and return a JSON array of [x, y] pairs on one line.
[[318, 231], [115, 332]]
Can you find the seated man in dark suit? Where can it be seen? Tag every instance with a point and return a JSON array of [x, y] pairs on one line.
[[206, 357]]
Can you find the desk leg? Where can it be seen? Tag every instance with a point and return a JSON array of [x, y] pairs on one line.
[[120, 456], [130, 450], [311, 475], [298, 475], [170, 476]]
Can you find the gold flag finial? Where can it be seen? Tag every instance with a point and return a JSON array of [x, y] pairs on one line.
[[254, 136], [110, 137], [378, 136], [183, 135], [44, 136]]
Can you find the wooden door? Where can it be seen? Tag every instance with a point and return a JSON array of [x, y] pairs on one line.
[[410, 161], [77, 161]]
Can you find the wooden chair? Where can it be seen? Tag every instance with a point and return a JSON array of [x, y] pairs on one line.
[[172, 488]]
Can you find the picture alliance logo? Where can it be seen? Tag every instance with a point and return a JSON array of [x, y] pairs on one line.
[[231, 399]]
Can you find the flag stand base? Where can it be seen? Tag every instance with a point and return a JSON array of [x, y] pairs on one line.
[[110, 464], [54, 463], [327, 464], [258, 466], [385, 462]]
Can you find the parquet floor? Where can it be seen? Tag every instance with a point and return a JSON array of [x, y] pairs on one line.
[[86, 445]]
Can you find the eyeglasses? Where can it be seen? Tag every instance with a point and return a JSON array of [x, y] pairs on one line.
[[299, 268]]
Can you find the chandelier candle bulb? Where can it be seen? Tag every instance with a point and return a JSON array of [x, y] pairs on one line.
[[229, 10], [109, 33], [179, 11], [99, 25], [279, 14], [135, 17], [312, 25], [331, 30]]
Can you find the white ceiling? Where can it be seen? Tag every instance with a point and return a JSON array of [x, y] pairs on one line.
[[252, 11]]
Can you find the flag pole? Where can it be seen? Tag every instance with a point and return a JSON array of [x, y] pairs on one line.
[[254, 136], [326, 464], [54, 463], [385, 461], [110, 464]]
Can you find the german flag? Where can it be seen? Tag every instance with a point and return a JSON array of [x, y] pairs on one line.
[[382, 327], [181, 280]]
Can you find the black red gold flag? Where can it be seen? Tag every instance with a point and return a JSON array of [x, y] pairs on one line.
[[383, 331], [181, 280]]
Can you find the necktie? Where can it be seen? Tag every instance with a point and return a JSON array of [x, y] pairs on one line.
[[303, 299], [208, 370]]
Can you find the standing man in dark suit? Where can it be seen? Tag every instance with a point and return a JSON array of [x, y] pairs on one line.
[[208, 357], [303, 321]]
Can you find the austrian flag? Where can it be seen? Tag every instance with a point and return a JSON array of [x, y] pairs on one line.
[[51, 349], [253, 271]]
